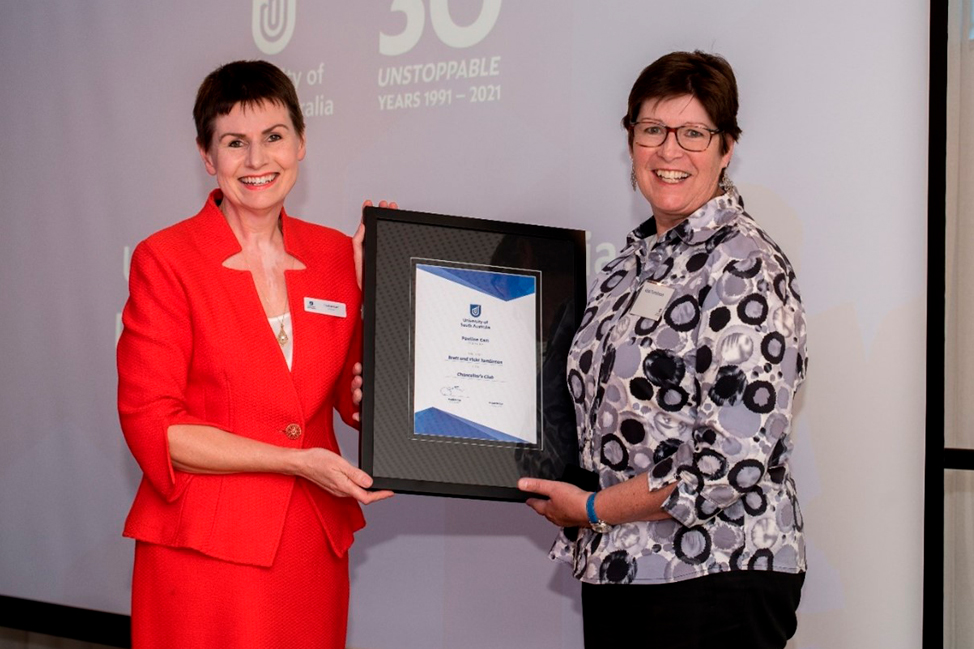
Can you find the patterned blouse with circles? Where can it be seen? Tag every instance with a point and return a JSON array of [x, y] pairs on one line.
[[703, 396]]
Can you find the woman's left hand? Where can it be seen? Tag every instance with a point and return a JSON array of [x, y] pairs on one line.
[[359, 237], [565, 506]]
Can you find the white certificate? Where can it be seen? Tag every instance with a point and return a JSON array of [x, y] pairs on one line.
[[475, 374]]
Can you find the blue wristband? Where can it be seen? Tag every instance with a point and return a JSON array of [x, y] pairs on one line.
[[590, 509]]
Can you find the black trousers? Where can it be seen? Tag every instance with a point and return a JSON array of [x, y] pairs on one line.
[[746, 609]]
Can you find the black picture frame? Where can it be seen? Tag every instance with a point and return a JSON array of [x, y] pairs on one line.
[[391, 450]]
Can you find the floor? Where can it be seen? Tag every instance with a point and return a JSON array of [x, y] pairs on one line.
[[16, 639]]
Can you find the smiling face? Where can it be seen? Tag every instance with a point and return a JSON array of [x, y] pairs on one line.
[[677, 182], [254, 155]]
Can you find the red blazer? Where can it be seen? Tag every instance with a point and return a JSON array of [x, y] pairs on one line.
[[196, 348]]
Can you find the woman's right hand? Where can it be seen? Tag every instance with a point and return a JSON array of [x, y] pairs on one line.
[[337, 476]]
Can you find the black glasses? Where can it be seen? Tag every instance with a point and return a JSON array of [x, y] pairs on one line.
[[691, 137]]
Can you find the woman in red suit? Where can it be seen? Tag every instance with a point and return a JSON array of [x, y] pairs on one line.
[[240, 337]]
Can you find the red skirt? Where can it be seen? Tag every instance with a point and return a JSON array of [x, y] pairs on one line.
[[181, 598]]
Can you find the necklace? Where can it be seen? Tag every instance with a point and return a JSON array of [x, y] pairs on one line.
[[282, 336]]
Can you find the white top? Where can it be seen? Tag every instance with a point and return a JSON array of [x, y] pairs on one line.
[[288, 348]]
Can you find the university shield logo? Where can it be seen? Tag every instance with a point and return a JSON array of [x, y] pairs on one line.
[[273, 24], [475, 310]]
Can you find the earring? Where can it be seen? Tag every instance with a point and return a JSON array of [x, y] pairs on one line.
[[725, 183], [632, 177]]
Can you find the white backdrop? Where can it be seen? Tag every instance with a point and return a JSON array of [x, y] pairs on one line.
[[98, 153]]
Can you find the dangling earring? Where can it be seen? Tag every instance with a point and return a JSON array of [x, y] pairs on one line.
[[725, 183], [632, 177]]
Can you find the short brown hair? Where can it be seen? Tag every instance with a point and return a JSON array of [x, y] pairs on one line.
[[708, 77], [248, 83]]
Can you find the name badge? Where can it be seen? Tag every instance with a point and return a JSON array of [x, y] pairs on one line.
[[324, 307], [652, 300]]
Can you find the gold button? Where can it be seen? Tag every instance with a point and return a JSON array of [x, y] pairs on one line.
[[293, 431]]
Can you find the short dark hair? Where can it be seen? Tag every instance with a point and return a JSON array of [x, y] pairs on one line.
[[248, 83], [708, 77]]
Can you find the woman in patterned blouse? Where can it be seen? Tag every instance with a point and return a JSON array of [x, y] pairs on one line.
[[684, 372]]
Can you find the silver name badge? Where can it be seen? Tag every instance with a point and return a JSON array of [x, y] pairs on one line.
[[324, 307], [652, 300]]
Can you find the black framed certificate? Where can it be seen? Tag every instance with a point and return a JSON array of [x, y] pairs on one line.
[[467, 328]]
